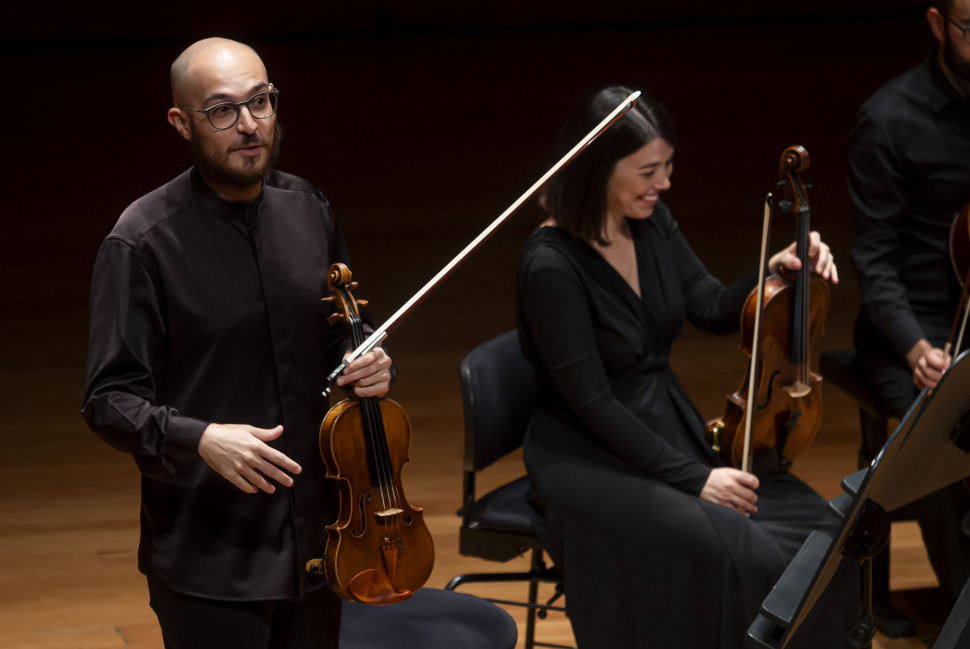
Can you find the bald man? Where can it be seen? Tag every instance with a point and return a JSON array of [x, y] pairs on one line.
[[209, 346]]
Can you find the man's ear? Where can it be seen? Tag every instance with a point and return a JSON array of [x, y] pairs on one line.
[[178, 119], [937, 23]]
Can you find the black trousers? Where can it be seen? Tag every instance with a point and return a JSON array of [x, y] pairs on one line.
[[187, 622], [939, 514]]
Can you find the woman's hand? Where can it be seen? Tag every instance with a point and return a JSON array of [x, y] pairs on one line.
[[733, 489], [820, 258]]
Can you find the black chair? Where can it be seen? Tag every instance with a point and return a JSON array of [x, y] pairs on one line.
[[431, 619], [841, 368], [499, 391]]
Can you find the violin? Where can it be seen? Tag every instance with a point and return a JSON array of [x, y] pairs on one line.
[[379, 551], [777, 411]]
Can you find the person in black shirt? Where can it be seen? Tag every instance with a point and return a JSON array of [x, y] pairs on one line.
[[909, 176], [209, 347]]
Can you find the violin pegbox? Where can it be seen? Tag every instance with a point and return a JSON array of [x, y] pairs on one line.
[[341, 287]]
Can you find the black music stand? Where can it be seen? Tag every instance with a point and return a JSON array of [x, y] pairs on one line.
[[927, 451]]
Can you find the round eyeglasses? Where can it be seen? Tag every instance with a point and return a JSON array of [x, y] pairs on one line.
[[225, 114], [965, 30]]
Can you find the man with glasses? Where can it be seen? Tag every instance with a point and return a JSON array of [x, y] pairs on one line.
[[209, 346], [909, 176]]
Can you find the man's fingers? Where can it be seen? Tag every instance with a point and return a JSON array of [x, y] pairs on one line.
[[281, 460], [240, 482], [257, 480], [266, 434], [373, 363], [273, 472]]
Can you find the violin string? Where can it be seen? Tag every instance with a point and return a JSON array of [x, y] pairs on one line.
[[367, 412], [378, 437], [806, 273]]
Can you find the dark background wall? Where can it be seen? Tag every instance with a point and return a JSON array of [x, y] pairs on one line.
[[422, 122]]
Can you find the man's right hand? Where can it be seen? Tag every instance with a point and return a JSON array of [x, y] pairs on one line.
[[928, 364], [239, 454]]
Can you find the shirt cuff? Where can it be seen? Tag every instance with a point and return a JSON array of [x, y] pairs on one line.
[[182, 437]]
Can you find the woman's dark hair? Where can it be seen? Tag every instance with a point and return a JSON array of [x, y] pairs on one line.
[[576, 196]]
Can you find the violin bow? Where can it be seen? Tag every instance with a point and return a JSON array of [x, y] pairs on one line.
[[381, 332]]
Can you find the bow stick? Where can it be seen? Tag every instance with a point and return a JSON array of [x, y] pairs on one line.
[[381, 332]]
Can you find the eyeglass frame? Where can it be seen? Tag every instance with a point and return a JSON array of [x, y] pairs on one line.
[[965, 30], [238, 105]]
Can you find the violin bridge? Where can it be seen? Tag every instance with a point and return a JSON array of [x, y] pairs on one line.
[[388, 513], [798, 390]]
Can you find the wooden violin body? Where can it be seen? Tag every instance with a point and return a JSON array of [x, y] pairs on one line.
[[786, 418], [379, 550]]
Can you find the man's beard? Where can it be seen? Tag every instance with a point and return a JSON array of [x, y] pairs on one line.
[[957, 64], [252, 172]]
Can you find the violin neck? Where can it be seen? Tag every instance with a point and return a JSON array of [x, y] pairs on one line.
[[378, 453], [799, 352]]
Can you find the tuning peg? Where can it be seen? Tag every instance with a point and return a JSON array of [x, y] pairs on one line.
[[362, 302], [327, 299], [353, 286], [334, 318]]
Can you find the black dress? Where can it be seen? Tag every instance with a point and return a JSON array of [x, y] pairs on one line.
[[617, 457]]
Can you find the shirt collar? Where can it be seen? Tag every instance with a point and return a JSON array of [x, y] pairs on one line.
[[219, 206]]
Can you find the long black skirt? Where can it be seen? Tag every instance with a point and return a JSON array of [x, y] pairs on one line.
[[648, 566]]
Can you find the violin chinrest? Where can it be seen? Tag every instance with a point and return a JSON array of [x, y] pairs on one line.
[[373, 587]]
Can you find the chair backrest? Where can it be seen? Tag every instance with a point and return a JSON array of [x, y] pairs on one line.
[[499, 392]]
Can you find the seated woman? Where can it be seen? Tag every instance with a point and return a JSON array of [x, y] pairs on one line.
[[660, 544]]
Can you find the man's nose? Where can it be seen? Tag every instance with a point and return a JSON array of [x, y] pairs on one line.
[[246, 123]]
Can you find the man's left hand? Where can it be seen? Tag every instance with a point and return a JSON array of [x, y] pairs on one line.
[[369, 374]]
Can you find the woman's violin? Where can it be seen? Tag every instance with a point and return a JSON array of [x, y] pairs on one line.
[[766, 425], [379, 550]]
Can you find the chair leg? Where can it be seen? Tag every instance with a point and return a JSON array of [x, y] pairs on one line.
[[530, 616], [530, 621]]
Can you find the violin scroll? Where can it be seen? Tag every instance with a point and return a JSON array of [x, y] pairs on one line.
[[794, 159], [341, 292]]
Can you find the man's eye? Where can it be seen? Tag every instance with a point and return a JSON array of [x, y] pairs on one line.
[[221, 109]]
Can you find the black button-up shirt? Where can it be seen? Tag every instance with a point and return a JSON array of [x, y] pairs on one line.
[[909, 176], [205, 310]]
